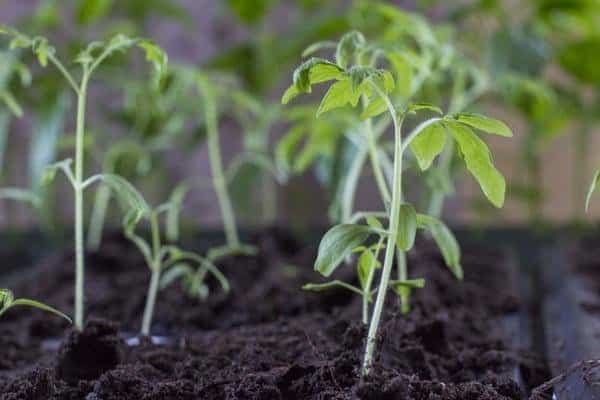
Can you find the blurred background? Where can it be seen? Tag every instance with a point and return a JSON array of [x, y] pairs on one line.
[[537, 57]]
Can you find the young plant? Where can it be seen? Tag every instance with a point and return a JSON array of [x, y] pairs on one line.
[[160, 256], [89, 60], [8, 301], [369, 86]]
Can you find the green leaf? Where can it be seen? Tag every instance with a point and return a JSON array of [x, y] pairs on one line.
[[428, 143], [339, 95], [445, 240], [290, 93], [374, 222], [348, 47], [403, 73], [374, 108], [90, 11], [7, 301], [321, 287], [337, 243], [41, 306], [129, 198], [172, 217], [418, 283], [313, 71], [43, 50], [424, 106], [155, 55], [486, 124], [407, 227], [365, 267], [593, 185], [177, 271], [479, 162]]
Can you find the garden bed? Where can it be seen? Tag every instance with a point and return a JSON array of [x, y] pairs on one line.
[[268, 339]]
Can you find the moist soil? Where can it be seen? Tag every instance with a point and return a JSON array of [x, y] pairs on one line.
[[267, 339]]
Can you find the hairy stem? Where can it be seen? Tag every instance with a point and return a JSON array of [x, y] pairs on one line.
[[391, 240], [79, 240], [96, 227]]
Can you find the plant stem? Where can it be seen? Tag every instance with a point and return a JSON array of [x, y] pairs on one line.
[[79, 241], [392, 236], [96, 227], [216, 166], [150, 301], [376, 166], [154, 280], [581, 164], [351, 183]]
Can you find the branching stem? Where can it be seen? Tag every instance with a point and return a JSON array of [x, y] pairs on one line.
[[391, 238]]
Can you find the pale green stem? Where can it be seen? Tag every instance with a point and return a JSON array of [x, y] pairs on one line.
[[79, 240], [155, 279], [392, 236], [96, 227], [367, 290], [216, 166], [376, 166], [351, 183]]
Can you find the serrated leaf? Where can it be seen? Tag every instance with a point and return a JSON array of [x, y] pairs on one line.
[[445, 241], [365, 267], [407, 227], [428, 143], [486, 124], [403, 73], [338, 243], [593, 186], [339, 95], [479, 162], [313, 71], [348, 46]]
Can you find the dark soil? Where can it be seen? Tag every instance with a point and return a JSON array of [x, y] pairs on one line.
[[267, 339]]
